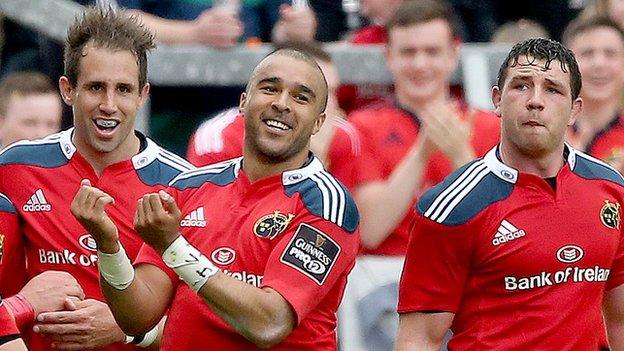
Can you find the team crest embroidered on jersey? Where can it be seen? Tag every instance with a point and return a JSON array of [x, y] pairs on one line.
[[610, 215], [1, 246], [272, 225], [311, 252]]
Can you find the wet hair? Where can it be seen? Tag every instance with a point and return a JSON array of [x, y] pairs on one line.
[[413, 12], [547, 50], [109, 29], [584, 24], [24, 83], [302, 56]]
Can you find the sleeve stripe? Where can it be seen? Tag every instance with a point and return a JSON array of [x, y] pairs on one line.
[[211, 169], [175, 158], [449, 198], [334, 198], [172, 162]]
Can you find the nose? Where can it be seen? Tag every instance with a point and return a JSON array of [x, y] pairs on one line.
[[419, 60], [281, 103], [108, 104], [536, 101]]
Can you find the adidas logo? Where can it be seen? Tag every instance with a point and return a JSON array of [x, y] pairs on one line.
[[194, 219], [37, 203], [506, 232]]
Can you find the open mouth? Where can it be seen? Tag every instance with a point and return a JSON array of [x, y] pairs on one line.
[[277, 125], [106, 126]]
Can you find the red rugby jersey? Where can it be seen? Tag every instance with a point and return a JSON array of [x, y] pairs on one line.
[[522, 266], [221, 138], [387, 133], [295, 232], [40, 179], [608, 144]]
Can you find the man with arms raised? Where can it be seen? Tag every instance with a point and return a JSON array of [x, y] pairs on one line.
[[105, 83], [523, 249], [265, 243]]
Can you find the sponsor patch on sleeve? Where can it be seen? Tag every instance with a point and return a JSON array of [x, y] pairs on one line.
[[311, 252]]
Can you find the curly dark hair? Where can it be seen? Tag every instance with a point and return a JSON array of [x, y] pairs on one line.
[[548, 50], [110, 29]]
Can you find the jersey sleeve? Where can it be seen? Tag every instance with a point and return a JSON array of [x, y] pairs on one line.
[[310, 259], [12, 255], [436, 267], [345, 147], [367, 166], [616, 278]]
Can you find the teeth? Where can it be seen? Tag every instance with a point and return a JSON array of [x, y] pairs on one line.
[[106, 123], [277, 124]]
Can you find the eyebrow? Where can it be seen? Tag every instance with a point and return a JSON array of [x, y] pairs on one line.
[[275, 80], [526, 77]]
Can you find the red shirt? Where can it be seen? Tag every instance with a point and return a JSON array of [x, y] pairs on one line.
[[221, 138], [262, 233], [522, 266], [388, 132], [373, 34], [41, 179], [608, 144]]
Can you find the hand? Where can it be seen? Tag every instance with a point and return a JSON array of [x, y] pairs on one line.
[[88, 208], [48, 291], [448, 132], [83, 325], [157, 220], [295, 24], [217, 27]]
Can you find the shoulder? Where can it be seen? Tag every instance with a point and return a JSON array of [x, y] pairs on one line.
[[467, 192], [222, 173], [589, 167], [6, 205], [346, 136], [379, 110], [157, 166], [210, 135], [47, 152], [323, 195]]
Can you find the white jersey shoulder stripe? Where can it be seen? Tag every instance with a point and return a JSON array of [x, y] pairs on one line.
[[448, 199], [210, 169], [333, 197], [174, 162], [209, 136]]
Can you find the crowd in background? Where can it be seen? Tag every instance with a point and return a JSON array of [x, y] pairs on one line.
[[387, 143]]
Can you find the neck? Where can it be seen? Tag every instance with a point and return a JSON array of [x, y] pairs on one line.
[[544, 166], [99, 160], [596, 115], [259, 166], [416, 105]]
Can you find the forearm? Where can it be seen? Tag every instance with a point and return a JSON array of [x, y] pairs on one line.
[[252, 312], [168, 31], [422, 331], [383, 205]]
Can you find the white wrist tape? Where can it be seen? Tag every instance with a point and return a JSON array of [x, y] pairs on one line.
[[193, 267], [145, 340], [116, 269]]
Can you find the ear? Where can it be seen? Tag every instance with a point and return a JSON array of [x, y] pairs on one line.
[[144, 94], [241, 103], [577, 107], [319, 123], [67, 91], [496, 99]]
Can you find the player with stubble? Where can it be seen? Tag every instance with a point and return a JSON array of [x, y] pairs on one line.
[[265, 243], [522, 249], [44, 252]]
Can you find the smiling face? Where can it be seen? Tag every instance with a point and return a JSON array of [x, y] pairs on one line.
[[422, 58], [105, 101], [600, 55], [283, 107], [535, 106]]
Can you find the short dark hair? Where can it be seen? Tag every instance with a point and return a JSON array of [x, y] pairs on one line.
[[413, 12], [110, 29], [313, 49], [583, 24], [543, 49], [24, 83], [302, 56]]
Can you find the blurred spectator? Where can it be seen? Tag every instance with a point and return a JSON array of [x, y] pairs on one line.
[[296, 23], [378, 12], [413, 143], [337, 144], [476, 19], [517, 31], [598, 44], [30, 107]]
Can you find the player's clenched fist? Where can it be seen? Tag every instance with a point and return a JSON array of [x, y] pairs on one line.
[[88, 208], [157, 220]]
